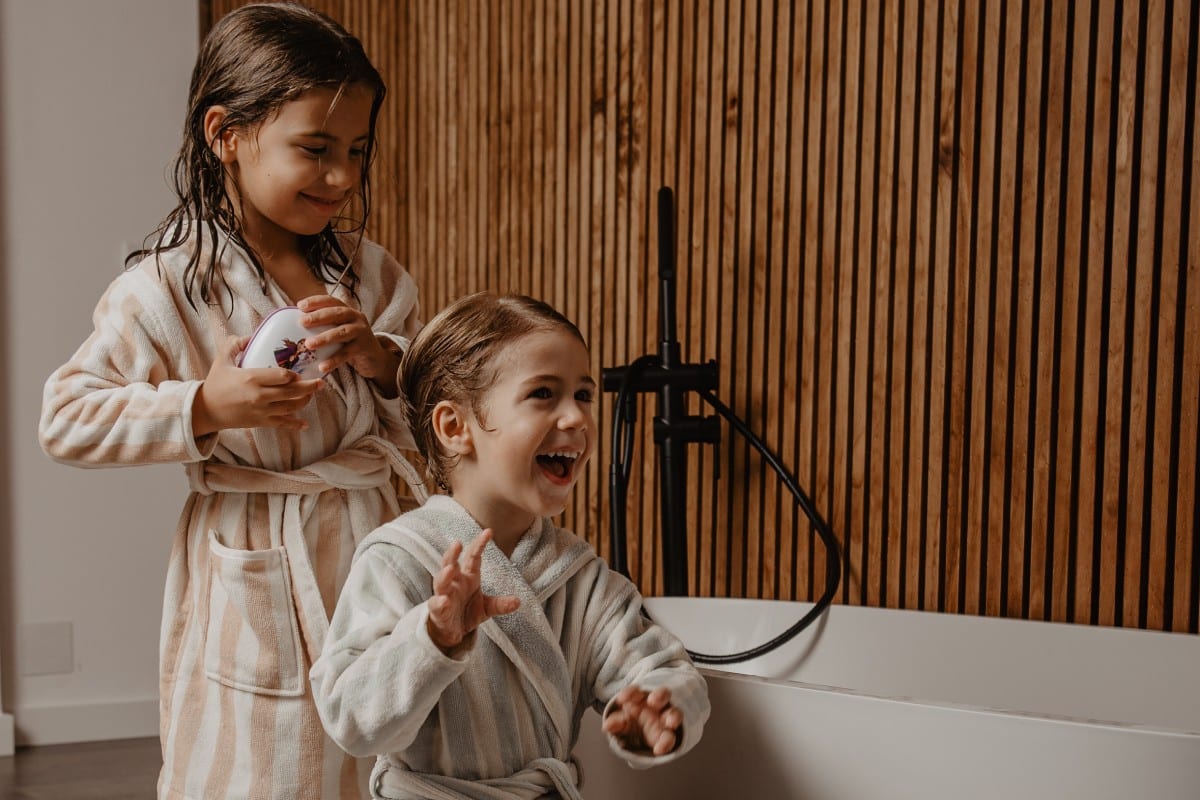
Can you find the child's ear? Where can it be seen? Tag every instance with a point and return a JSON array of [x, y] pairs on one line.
[[223, 143], [449, 422]]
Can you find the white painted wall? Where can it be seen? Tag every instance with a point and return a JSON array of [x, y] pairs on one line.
[[92, 97]]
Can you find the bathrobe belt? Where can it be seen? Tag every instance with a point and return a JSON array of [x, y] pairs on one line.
[[538, 779], [369, 464]]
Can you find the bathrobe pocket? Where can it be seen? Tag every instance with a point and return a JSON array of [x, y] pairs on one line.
[[252, 640]]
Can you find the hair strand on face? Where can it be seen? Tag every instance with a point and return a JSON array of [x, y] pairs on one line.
[[253, 61]]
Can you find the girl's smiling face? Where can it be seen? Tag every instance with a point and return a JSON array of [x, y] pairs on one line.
[[535, 432], [299, 168]]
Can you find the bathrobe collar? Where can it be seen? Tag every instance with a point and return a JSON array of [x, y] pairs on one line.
[[544, 559]]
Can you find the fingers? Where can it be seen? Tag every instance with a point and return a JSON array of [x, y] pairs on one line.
[[445, 606], [451, 556], [322, 309], [672, 719], [664, 744], [656, 733], [645, 721], [458, 606], [660, 722], [616, 723], [629, 696], [473, 556], [286, 398], [486, 606], [281, 405], [499, 606], [349, 334], [234, 397], [659, 698], [275, 384], [316, 301], [444, 582], [459, 561], [234, 345], [345, 324], [340, 333]]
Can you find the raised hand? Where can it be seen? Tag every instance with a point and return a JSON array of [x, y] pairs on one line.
[[360, 348], [642, 721], [233, 397], [458, 606]]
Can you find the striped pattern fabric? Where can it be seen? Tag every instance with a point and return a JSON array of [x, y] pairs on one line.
[[499, 720], [266, 537], [267, 653]]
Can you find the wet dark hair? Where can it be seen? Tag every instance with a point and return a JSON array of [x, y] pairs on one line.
[[254, 60], [454, 358]]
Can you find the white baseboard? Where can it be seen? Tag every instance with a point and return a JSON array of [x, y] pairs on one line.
[[7, 742], [94, 722]]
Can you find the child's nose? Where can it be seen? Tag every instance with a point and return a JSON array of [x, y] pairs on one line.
[[575, 416], [340, 174]]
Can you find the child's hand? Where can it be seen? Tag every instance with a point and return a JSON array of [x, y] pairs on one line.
[[360, 348], [644, 721], [458, 606], [233, 397]]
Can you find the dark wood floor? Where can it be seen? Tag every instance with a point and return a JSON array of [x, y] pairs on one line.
[[125, 769]]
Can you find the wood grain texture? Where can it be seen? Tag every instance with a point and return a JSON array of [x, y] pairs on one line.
[[944, 253]]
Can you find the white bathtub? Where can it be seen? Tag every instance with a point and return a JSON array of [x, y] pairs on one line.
[[870, 703]]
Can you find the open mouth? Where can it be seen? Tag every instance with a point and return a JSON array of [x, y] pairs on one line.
[[558, 466]]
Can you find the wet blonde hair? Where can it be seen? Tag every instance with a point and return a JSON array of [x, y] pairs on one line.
[[455, 358]]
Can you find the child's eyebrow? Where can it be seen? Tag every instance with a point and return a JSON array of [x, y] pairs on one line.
[[329, 137], [587, 380]]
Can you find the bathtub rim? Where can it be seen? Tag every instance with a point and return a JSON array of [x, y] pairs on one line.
[[1138, 727], [1188, 727]]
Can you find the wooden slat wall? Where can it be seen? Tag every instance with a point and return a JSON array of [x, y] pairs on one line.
[[945, 254]]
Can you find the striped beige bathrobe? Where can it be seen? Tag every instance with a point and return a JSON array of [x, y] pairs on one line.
[[498, 721], [267, 535]]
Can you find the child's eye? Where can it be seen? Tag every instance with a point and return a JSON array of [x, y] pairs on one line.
[[584, 396], [314, 150], [542, 393], [357, 152]]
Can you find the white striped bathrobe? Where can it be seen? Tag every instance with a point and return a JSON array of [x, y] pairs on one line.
[[266, 538], [498, 721]]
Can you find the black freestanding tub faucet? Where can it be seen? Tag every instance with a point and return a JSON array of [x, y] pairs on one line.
[[674, 429]]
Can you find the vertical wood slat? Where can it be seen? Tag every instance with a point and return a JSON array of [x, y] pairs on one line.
[[1181, 606], [945, 254], [856, 517], [926, 159], [1029, 471]]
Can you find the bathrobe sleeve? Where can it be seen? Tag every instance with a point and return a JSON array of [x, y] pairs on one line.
[[628, 648], [380, 675], [125, 396], [395, 319]]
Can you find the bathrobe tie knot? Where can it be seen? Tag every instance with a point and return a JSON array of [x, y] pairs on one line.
[[538, 779]]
